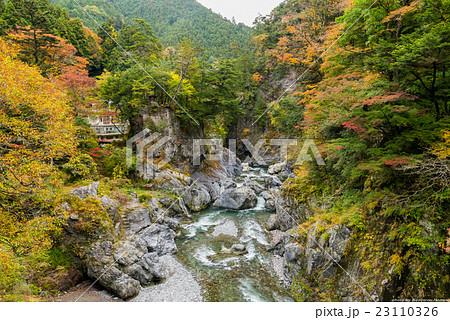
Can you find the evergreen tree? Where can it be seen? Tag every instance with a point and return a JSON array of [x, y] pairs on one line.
[[2, 22], [171, 20], [9, 17], [109, 46], [36, 25]]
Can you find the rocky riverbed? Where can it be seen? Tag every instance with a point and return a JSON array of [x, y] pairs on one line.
[[162, 250], [228, 247], [179, 285]]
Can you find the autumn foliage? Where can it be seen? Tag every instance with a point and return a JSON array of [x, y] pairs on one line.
[[370, 81], [35, 124], [35, 131]]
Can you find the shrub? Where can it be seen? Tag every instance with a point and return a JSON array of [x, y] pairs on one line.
[[9, 270], [144, 198], [81, 167], [91, 215], [114, 162]]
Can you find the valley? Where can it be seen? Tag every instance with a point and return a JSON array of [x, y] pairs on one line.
[[156, 151]]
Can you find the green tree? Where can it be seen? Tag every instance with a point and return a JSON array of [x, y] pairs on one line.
[[171, 20], [410, 41], [3, 25], [186, 64], [10, 16], [140, 40], [219, 93], [119, 88], [110, 51], [35, 24]]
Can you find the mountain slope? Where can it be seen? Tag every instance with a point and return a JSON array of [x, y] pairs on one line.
[[172, 20]]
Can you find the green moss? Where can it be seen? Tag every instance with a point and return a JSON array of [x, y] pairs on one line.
[[59, 258], [144, 198], [301, 291], [325, 237], [91, 217]]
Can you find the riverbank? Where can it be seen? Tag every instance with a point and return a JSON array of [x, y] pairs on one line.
[[86, 292], [179, 285], [219, 254]]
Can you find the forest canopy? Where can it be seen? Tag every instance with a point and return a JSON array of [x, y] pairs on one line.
[[172, 20]]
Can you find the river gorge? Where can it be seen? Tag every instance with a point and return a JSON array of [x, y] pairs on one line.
[[209, 242], [247, 275]]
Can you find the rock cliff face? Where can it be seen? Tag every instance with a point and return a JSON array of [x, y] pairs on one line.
[[204, 177], [130, 249], [123, 255], [320, 261]]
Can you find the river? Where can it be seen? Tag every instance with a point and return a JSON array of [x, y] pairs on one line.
[[229, 276]]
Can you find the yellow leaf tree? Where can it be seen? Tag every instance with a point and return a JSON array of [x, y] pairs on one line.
[[36, 130], [35, 124]]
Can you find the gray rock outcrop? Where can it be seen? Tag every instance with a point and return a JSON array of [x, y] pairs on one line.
[[273, 182], [270, 200], [277, 168], [197, 198], [128, 261], [255, 186], [237, 199], [134, 263], [87, 191]]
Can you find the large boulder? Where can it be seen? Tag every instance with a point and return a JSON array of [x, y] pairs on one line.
[[270, 200], [214, 190], [101, 266], [87, 191], [197, 198], [126, 254], [147, 270], [157, 238], [277, 168], [255, 186], [124, 267], [172, 223], [237, 199], [118, 282]]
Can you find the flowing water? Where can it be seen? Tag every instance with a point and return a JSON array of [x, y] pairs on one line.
[[228, 276]]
